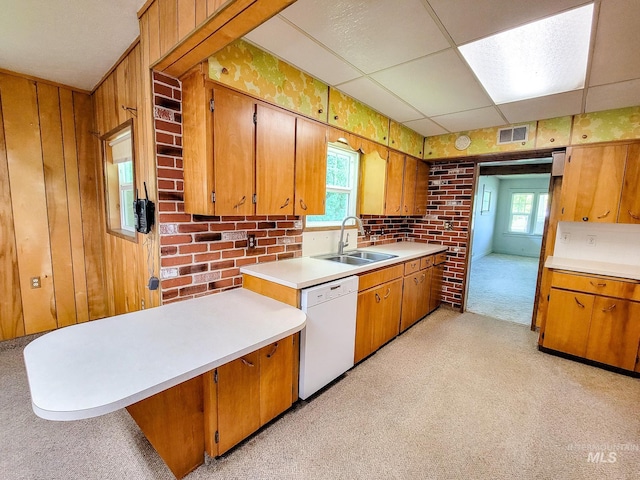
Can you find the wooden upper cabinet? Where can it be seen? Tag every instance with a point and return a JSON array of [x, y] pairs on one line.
[[275, 159], [311, 167], [373, 179], [630, 202], [422, 188], [592, 183], [197, 149], [395, 176], [233, 147], [409, 185]]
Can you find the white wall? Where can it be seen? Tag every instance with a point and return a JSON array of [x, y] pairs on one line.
[[510, 243], [598, 242], [483, 223]]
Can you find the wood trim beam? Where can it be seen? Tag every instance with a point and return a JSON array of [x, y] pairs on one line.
[[523, 169]]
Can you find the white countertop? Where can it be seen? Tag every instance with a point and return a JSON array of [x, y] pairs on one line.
[[597, 268], [98, 367], [308, 271]]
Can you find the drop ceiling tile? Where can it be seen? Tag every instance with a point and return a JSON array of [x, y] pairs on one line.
[[372, 94], [286, 42], [470, 119], [615, 56], [550, 106], [468, 20], [435, 85], [426, 127], [614, 95], [369, 34]]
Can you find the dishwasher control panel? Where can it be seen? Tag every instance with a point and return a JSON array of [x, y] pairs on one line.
[[329, 291]]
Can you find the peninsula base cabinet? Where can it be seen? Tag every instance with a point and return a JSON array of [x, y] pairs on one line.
[[215, 411], [596, 318]]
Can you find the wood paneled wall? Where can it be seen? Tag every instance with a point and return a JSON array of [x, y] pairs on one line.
[[121, 96], [49, 209]]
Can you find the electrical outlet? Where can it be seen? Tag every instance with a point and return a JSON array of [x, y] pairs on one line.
[[374, 238], [35, 282], [251, 240], [591, 240], [565, 238]]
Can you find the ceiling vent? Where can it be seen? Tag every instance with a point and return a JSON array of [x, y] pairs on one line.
[[513, 134]]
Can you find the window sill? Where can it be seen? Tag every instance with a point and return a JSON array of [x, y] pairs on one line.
[[124, 234]]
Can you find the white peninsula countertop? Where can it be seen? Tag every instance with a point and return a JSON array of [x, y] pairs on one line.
[[98, 367], [619, 270], [306, 272]]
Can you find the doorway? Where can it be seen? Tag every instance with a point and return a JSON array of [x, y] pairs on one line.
[[510, 208]]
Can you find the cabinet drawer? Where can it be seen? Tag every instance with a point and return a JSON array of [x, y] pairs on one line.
[[440, 258], [412, 266], [426, 262], [599, 285], [372, 279]]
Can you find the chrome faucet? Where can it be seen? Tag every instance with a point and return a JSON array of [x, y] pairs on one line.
[[342, 243]]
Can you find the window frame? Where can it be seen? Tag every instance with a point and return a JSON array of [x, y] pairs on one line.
[[354, 166], [113, 188], [533, 215]]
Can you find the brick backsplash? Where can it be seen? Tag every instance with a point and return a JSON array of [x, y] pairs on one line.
[[447, 222], [201, 255]]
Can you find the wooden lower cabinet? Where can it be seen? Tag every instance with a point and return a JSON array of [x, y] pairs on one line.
[[386, 326], [252, 391], [596, 327], [416, 297]]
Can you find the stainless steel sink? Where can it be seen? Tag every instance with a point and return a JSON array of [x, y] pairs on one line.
[[356, 257], [345, 259], [375, 257]]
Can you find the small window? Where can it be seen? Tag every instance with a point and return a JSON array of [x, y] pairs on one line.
[[342, 183], [528, 212], [119, 180]]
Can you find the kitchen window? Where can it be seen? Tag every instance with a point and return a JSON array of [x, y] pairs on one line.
[[119, 180], [527, 212], [342, 184]]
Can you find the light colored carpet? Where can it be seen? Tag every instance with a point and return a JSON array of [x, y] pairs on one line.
[[503, 286], [458, 396]]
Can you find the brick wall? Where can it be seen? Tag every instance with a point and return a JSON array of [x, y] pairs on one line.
[[383, 229], [201, 255], [447, 222]]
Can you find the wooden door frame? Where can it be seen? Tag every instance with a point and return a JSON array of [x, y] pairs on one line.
[[550, 222]]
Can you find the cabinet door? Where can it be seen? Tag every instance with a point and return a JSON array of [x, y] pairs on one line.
[[424, 303], [238, 400], [275, 159], [409, 185], [311, 167], [395, 175], [365, 319], [630, 203], [276, 378], [197, 143], [592, 184], [422, 188], [568, 319], [373, 178], [435, 297], [410, 300], [614, 332], [233, 153], [387, 324]]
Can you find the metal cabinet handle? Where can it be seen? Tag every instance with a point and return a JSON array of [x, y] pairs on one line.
[[377, 298], [241, 202], [388, 293], [303, 205], [423, 278], [598, 284], [247, 363], [399, 207], [415, 280], [272, 353], [604, 214], [636, 217], [605, 310], [286, 202], [578, 302]]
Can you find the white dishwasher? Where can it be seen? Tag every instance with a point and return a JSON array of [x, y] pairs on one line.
[[327, 342]]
